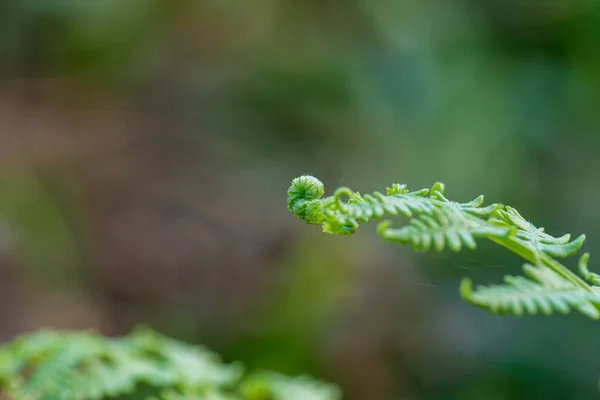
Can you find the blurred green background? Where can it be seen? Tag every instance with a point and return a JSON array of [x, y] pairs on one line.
[[146, 147]]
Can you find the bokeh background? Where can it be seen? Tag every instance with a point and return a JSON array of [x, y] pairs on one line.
[[146, 147]]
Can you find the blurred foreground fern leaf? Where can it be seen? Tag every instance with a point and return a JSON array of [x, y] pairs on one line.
[[56, 365]]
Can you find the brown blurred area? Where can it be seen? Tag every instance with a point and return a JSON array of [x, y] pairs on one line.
[[156, 223], [150, 207]]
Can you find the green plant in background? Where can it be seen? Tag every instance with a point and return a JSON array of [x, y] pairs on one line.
[[436, 222], [49, 365]]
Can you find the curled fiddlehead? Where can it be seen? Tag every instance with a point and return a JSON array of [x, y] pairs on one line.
[[303, 199]]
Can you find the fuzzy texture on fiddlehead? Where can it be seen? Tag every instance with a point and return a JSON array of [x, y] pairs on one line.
[[303, 199]]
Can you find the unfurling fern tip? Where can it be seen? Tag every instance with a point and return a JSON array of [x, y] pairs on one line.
[[303, 199]]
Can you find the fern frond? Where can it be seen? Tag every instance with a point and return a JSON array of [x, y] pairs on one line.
[[536, 239], [84, 365], [180, 363], [338, 216], [344, 217], [542, 290], [50, 365], [436, 222], [447, 226]]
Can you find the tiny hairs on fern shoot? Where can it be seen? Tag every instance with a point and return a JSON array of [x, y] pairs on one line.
[[435, 222]]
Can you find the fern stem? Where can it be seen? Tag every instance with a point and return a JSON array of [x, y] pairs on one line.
[[513, 245]]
